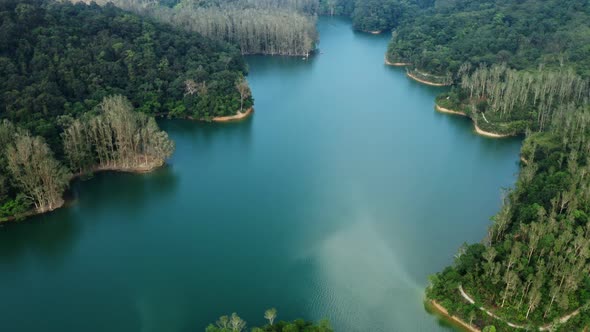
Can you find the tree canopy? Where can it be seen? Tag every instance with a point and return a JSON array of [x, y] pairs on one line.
[[234, 323], [523, 34], [58, 59], [519, 67], [284, 27]]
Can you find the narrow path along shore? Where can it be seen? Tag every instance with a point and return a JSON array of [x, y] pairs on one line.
[[237, 117], [546, 327], [448, 111], [487, 133], [477, 129], [410, 75], [396, 64], [489, 313]]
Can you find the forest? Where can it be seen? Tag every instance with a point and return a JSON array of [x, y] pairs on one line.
[[518, 68], [254, 26], [64, 59], [234, 323], [523, 34], [81, 86], [510, 102], [532, 268], [273, 27], [374, 15], [33, 180]]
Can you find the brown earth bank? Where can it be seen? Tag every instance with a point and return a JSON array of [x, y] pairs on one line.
[[137, 169], [410, 75], [396, 64], [442, 312], [488, 133], [477, 129], [228, 118], [237, 117], [448, 111]]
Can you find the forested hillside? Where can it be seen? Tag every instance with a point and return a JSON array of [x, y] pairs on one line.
[[519, 67], [533, 267], [374, 15], [284, 27], [514, 64], [522, 34], [64, 59], [72, 75]]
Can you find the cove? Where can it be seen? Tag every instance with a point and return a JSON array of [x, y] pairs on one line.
[[336, 199]]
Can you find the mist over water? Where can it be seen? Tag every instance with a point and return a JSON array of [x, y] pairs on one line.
[[336, 200]]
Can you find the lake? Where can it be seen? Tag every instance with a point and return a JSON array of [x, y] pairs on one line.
[[337, 200]]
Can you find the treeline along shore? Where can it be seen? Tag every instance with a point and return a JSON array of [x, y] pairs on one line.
[[81, 86], [510, 77], [115, 139]]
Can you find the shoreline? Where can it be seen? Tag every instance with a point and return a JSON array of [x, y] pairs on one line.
[[476, 128], [426, 82], [396, 64], [444, 314], [482, 132], [546, 327], [220, 119], [448, 111], [141, 169], [236, 117]]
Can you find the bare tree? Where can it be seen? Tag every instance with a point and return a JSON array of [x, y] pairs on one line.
[[38, 174], [270, 315], [236, 323], [244, 90]]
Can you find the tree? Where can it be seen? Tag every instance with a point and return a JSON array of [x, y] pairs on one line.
[[270, 315], [472, 315], [236, 323], [244, 90], [223, 322], [36, 172], [122, 138], [77, 147]]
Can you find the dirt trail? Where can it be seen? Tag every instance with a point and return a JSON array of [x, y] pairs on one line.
[[546, 327]]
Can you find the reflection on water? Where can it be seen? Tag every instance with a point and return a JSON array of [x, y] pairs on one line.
[[42, 237], [210, 133], [359, 267], [50, 237]]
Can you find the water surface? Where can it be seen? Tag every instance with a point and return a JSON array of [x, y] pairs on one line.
[[337, 200]]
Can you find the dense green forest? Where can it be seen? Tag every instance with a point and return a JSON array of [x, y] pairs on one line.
[[519, 67], [72, 76], [64, 59], [234, 323], [284, 27], [532, 268], [523, 34], [374, 15]]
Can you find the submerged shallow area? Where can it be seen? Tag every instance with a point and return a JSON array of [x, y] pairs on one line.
[[336, 199]]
